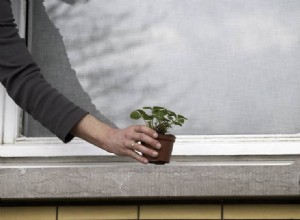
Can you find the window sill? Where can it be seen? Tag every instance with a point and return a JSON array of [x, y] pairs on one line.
[[206, 176]]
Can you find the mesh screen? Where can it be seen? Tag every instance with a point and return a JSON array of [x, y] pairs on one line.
[[230, 66]]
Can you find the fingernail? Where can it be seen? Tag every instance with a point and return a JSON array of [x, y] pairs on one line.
[[154, 154], [158, 146], [155, 135]]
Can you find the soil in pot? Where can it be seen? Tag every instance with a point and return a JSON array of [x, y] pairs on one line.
[[164, 153]]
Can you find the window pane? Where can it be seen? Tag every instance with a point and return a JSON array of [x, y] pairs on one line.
[[230, 66]]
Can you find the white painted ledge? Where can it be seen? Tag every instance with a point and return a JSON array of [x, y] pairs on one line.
[[184, 146]]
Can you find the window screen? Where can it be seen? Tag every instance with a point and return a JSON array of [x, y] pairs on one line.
[[230, 66]]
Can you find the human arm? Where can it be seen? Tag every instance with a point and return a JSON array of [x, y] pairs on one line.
[[26, 85]]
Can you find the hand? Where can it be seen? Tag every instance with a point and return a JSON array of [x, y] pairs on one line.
[[127, 142], [122, 142]]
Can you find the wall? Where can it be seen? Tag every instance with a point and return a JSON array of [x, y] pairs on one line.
[[189, 211]]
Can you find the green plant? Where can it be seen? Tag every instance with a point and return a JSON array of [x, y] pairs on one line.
[[160, 119]]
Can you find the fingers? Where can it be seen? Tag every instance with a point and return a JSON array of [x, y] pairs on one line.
[[137, 157], [133, 150], [145, 150], [146, 130], [125, 142], [146, 135], [146, 139]]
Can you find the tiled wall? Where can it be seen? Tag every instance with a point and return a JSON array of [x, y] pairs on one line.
[[151, 212]]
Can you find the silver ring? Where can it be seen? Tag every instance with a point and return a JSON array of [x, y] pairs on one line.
[[132, 145]]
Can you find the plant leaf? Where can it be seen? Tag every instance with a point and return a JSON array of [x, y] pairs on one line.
[[162, 113], [158, 108], [172, 113], [135, 115], [159, 118], [177, 123], [182, 117], [144, 115]]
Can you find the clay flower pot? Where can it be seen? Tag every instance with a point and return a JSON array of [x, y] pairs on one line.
[[160, 120], [164, 153]]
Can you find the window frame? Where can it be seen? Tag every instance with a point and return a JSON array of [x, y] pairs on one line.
[[15, 145]]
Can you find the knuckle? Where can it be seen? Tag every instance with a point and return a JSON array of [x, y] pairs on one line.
[[147, 129], [127, 134], [123, 143], [133, 128], [143, 128], [139, 128], [139, 136]]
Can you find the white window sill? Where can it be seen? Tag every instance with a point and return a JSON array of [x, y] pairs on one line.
[[184, 146]]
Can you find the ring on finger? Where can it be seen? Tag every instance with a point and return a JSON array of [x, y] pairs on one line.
[[132, 145]]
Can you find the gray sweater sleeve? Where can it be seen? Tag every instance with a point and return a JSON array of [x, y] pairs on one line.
[[26, 85]]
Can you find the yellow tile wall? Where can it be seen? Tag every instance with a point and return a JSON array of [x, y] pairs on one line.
[[188, 211], [261, 211], [97, 212], [180, 212], [27, 213]]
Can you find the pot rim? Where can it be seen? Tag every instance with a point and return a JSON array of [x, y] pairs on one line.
[[169, 137]]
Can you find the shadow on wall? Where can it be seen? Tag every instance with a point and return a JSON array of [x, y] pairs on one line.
[[49, 51], [103, 53]]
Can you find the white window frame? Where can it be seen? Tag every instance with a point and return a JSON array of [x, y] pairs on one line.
[[12, 144]]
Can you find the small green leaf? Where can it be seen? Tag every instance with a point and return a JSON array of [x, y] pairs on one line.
[[181, 120], [147, 117], [177, 123], [172, 113], [162, 113], [144, 115], [155, 111], [181, 116], [135, 115], [158, 108], [141, 112], [171, 117]]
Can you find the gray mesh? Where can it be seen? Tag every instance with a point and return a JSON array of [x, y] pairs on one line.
[[230, 66]]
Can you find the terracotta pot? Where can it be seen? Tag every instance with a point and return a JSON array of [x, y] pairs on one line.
[[164, 153]]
